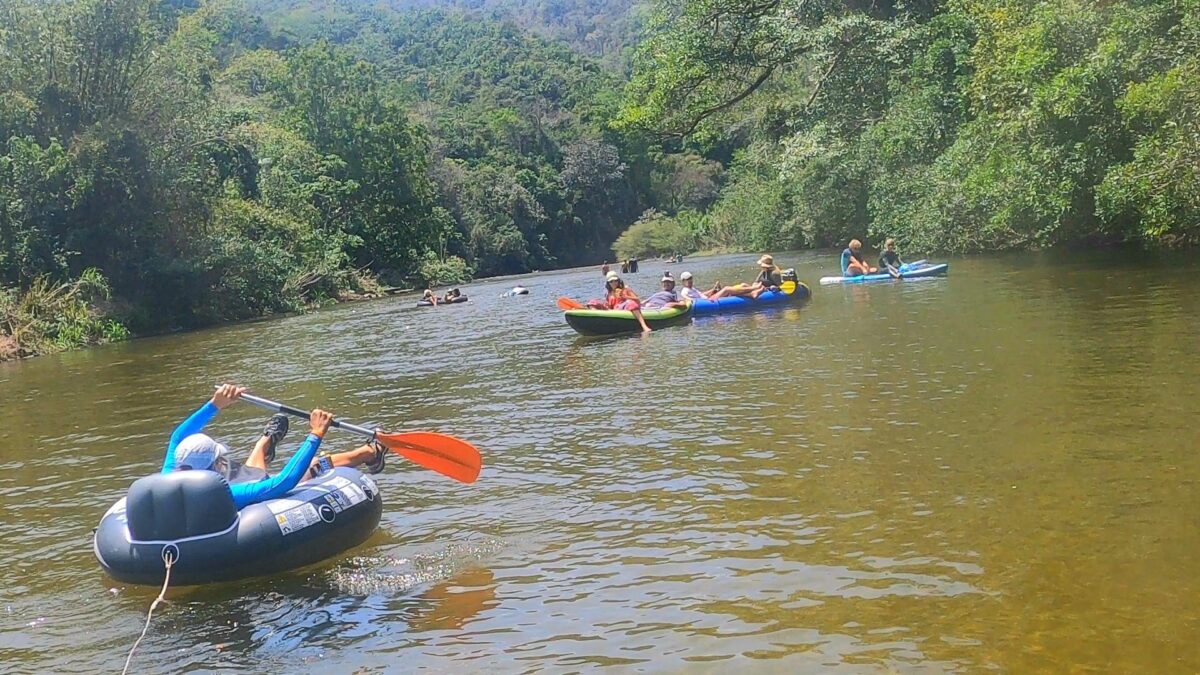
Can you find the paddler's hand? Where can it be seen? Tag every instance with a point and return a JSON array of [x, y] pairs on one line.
[[226, 394], [319, 421]]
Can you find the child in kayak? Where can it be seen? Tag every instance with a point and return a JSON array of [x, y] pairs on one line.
[[853, 264], [619, 297], [770, 277], [249, 483], [890, 260]]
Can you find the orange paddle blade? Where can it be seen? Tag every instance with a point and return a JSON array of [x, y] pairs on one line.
[[444, 454], [567, 303]]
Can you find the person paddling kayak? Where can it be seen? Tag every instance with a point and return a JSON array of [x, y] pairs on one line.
[[249, 483]]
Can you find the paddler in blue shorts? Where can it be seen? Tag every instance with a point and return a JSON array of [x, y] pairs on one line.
[[249, 482]]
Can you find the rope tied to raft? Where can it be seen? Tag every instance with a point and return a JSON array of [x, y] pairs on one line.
[[168, 560]]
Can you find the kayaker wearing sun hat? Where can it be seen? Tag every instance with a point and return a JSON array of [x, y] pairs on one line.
[[769, 277]]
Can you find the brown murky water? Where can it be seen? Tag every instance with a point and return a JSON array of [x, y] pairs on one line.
[[996, 471]]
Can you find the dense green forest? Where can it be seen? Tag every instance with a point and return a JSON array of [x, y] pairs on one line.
[[965, 125], [167, 165], [605, 29], [172, 164]]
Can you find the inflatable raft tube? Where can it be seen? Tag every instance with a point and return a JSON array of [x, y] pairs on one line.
[[455, 301], [800, 293], [615, 321], [191, 516], [938, 270]]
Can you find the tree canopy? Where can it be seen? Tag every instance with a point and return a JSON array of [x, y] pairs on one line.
[[959, 125]]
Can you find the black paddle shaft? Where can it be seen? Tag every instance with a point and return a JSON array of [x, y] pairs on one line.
[[304, 414]]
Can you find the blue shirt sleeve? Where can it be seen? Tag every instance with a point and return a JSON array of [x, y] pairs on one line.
[[192, 425], [245, 494]]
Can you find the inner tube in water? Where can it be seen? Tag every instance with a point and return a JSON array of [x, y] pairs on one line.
[[191, 516], [455, 301]]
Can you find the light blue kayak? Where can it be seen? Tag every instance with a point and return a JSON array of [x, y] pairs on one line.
[[914, 271]]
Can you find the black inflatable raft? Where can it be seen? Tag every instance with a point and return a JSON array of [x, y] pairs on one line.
[[191, 516]]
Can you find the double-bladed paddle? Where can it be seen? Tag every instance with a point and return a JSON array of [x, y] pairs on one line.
[[444, 454]]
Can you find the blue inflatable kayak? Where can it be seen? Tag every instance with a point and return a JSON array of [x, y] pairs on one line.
[[736, 304], [906, 272]]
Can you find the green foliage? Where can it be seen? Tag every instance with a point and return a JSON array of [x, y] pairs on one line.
[[656, 234], [966, 125], [437, 271], [49, 317]]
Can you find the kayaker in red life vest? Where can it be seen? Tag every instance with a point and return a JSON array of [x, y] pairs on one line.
[[249, 483], [617, 296]]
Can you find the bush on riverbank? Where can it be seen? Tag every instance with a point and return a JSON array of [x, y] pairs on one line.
[[51, 317], [657, 234]]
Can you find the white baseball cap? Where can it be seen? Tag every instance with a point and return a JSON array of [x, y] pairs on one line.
[[685, 275], [199, 451]]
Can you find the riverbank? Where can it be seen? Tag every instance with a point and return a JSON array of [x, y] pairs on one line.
[[25, 332]]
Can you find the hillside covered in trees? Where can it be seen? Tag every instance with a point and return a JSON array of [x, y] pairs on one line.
[[166, 166], [966, 125]]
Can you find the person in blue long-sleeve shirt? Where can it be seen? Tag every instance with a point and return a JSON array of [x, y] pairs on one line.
[[249, 482]]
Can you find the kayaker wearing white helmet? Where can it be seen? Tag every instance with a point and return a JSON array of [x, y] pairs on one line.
[[249, 483]]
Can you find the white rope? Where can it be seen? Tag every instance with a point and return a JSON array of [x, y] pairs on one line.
[[169, 560]]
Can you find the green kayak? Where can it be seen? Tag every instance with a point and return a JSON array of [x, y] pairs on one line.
[[616, 321]]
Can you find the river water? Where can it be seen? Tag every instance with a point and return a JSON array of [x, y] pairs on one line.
[[995, 471]]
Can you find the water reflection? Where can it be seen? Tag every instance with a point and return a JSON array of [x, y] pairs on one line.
[[986, 472]]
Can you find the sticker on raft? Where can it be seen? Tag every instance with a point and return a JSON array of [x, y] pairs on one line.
[[299, 512], [345, 497], [296, 518]]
